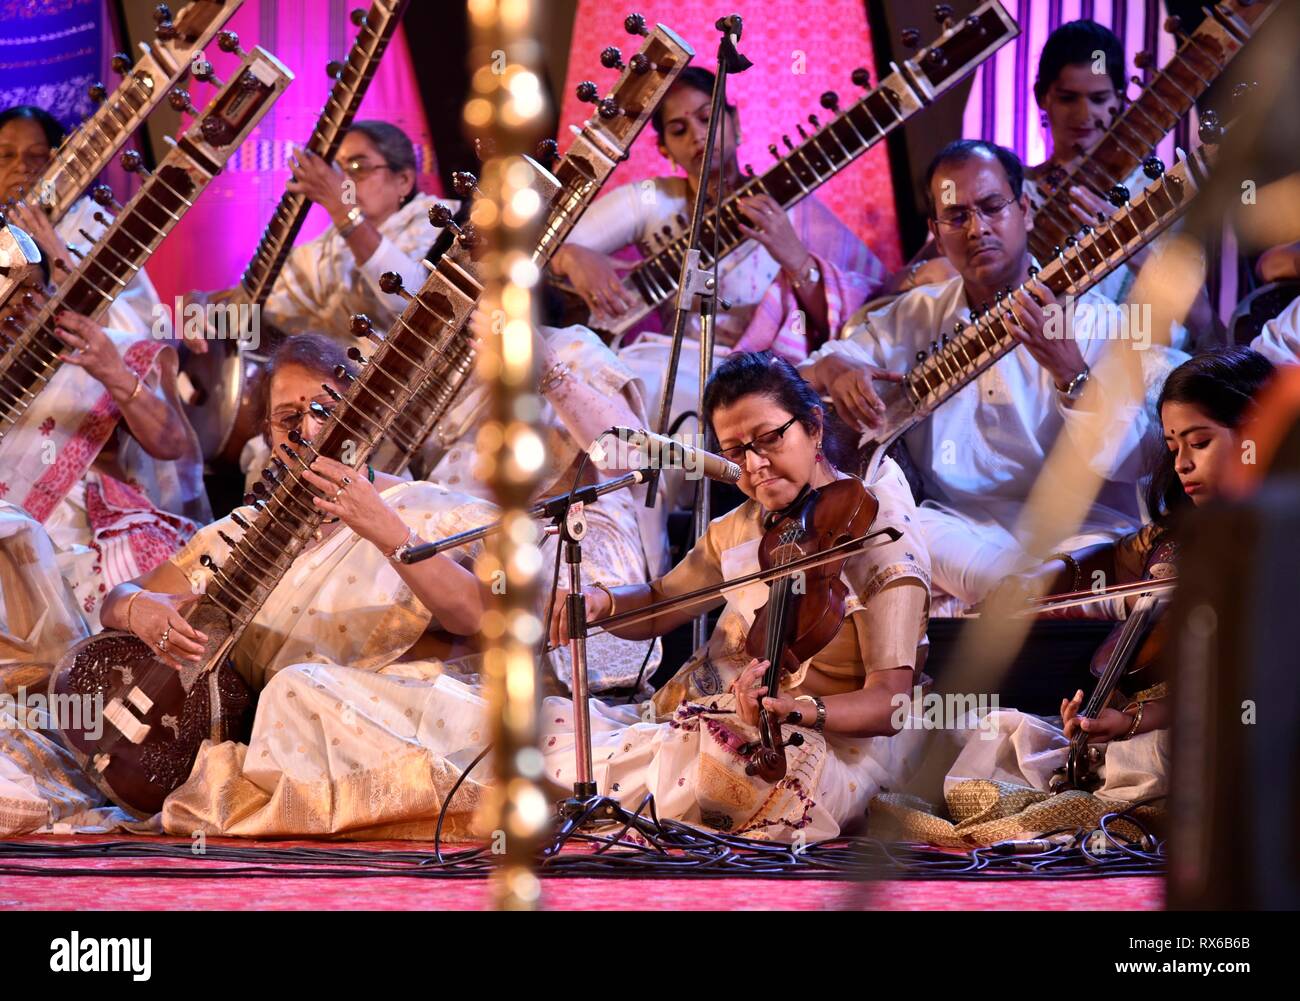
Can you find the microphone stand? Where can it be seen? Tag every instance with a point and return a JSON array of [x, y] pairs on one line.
[[697, 286], [565, 511]]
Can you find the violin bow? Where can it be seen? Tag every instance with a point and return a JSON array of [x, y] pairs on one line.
[[635, 615]]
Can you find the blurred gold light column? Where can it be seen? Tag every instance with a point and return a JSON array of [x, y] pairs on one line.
[[506, 106]]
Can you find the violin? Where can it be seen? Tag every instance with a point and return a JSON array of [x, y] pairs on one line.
[[1132, 649], [804, 610]]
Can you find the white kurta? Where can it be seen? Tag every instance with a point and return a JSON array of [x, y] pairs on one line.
[[981, 452], [1279, 341], [322, 285], [133, 310]]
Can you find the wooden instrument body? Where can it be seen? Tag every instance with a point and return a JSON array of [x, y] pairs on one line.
[[150, 724], [803, 613]]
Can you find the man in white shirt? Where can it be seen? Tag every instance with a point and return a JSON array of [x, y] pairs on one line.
[[983, 450]]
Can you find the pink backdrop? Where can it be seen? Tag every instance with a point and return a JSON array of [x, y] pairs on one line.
[[212, 244], [799, 48]]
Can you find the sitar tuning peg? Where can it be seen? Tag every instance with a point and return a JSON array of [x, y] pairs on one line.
[[1208, 130], [121, 63], [333, 69], [802, 134], [975, 22], [547, 151], [319, 412], [789, 144], [814, 121], [240, 520], [203, 71], [259, 488], [634, 24], [228, 41], [587, 92], [333, 393], [207, 561], [359, 325], [252, 500], [179, 99], [1153, 167], [920, 357], [640, 64], [911, 37], [98, 92], [102, 195], [861, 77], [390, 283], [943, 14], [296, 437], [358, 17], [831, 101], [440, 216], [355, 355], [611, 58], [1174, 25], [1118, 196], [164, 31], [161, 13], [774, 150], [468, 236], [133, 163], [463, 183]]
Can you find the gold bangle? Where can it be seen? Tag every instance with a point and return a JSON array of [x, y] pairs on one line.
[[612, 602], [139, 385], [129, 602], [1137, 720]]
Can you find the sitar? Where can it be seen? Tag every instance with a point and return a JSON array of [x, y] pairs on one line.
[[598, 147], [1138, 128], [156, 717], [823, 152], [31, 349], [956, 360], [219, 386], [176, 54]]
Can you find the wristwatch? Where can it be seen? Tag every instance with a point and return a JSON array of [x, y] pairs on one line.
[[819, 725], [1074, 388], [810, 275], [355, 218]]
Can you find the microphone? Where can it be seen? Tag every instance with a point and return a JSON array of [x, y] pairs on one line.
[[731, 25], [715, 467]]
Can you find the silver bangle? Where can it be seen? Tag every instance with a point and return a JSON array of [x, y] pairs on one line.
[[396, 555]]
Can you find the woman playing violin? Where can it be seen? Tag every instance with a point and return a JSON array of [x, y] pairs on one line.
[[1203, 407], [358, 735]]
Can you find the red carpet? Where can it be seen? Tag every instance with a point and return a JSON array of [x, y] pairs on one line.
[[118, 892]]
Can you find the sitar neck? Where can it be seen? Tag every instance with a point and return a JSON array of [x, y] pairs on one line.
[[957, 359], [1137, 130], [352, 79]]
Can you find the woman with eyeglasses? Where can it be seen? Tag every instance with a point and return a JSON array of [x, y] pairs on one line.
[[347, 597], [103, 460], [340, 742], [380, 222], [29, 137]]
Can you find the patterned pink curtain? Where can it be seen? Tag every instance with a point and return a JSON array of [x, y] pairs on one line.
[[800, 49], [213, 243]]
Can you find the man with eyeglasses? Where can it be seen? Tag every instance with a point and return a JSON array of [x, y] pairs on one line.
[[380, 222], [981, 452]]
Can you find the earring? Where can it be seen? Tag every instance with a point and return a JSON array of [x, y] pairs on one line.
[[1042, 119]]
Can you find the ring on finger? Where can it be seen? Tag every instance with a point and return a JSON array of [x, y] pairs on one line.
[[162, 643]]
